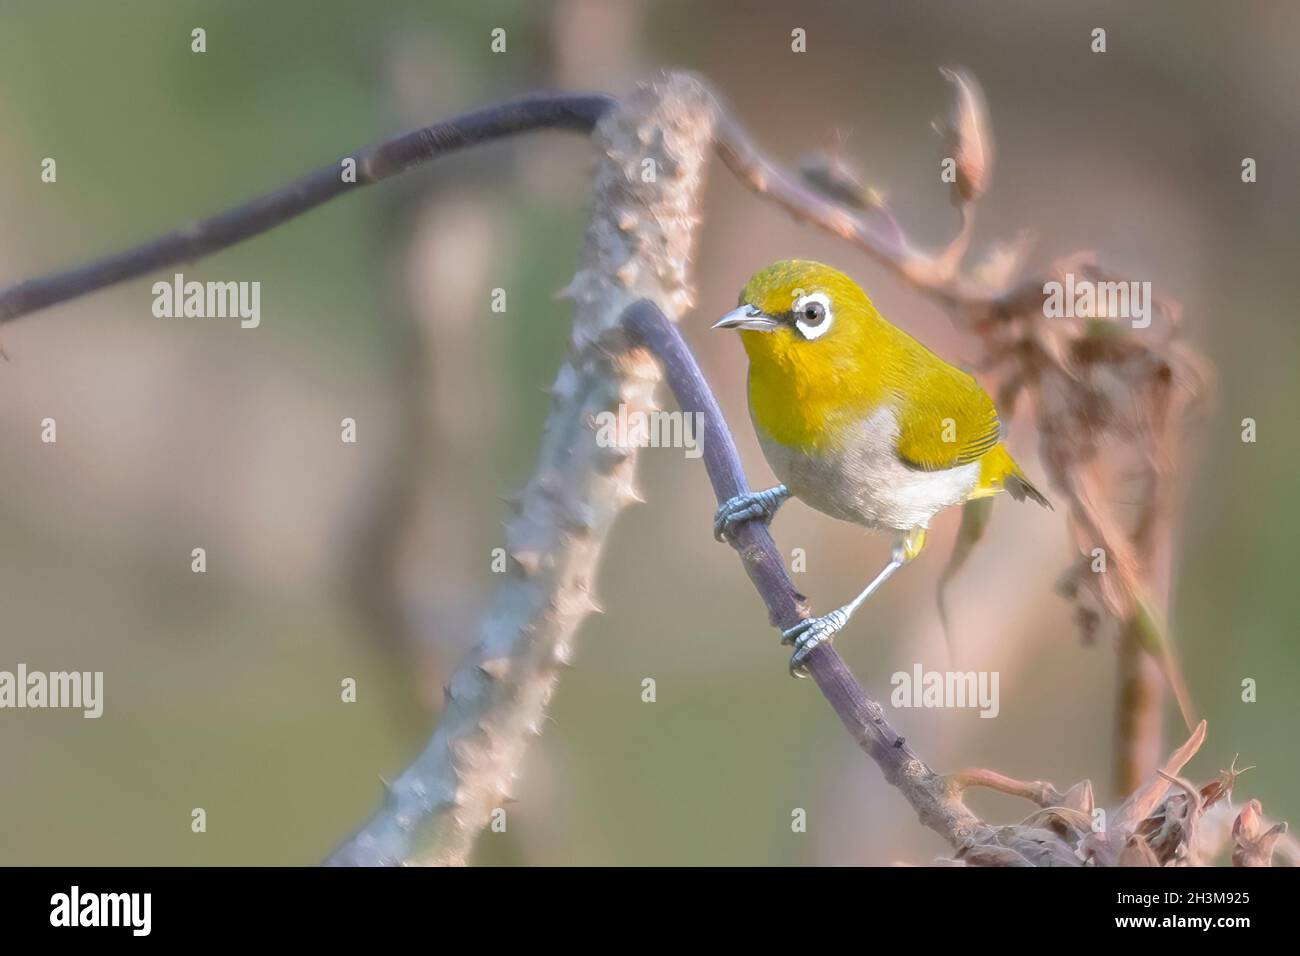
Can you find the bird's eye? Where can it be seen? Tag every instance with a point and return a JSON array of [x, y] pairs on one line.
[[812, 315]]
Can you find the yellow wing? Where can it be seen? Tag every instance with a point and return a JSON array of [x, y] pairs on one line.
[[946, 419]]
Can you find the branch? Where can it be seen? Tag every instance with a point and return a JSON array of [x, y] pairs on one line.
[[532, 112], [638, 243], [1036, 791], [884, 241], [938, 805]]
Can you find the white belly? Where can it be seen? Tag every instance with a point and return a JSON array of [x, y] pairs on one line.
[[861, 479]]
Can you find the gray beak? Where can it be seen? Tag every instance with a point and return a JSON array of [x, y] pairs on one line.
[[747, 317]]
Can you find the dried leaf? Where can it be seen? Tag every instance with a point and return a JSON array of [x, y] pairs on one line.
[[989, 854], [1139, 806], [1252, 844], [1170, 830], [1069, 825], [1137, 853], [968, 137], [1080, 797]]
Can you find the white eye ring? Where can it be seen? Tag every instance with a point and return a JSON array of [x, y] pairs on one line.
[[813, 328]]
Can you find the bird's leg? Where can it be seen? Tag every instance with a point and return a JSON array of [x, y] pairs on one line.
[[759, 505], [812, 631]]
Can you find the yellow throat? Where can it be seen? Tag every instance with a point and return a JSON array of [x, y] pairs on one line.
[[803, 396]]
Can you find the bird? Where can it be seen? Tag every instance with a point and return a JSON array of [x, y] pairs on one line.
[[860, 421]]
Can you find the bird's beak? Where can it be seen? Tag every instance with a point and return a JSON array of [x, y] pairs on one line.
[[747, 317]]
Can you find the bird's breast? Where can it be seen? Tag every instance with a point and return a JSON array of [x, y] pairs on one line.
[[855, 474]]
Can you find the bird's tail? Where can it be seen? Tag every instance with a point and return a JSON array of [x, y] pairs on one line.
[[1020, 488], [999, 472]]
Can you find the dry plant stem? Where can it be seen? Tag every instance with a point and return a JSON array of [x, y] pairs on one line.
[[373, 163], [639, 240], [886, 243], [1037, 791], [936, 803], [1139, 709]]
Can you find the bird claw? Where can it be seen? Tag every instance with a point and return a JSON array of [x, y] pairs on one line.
[[756, 505], [810, 633]]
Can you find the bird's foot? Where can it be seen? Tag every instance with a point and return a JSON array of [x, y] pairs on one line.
[[757, 505], [810, 633]]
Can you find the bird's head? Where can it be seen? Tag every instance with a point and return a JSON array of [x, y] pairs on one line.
[[800, 315]]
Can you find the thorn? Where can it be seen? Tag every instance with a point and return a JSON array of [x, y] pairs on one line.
[[463, 754], [614, 455], [550, 485], [578, 520], [496, 667], [529, 561], [626, 273]]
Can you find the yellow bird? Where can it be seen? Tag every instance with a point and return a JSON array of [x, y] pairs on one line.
[[858, 420]]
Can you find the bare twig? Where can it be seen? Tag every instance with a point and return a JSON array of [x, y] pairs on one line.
[[880, 237], [1036, 791], [564, 111], [937, 805], [638, 244], [1142, 672]]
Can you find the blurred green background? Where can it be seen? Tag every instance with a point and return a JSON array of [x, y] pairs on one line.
[[372, 560]]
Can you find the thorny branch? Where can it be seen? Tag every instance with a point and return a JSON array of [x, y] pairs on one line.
[[639, 241]]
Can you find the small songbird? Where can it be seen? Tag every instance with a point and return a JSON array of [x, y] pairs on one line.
[[858, 420]]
